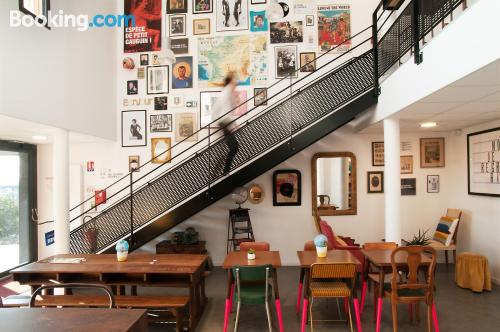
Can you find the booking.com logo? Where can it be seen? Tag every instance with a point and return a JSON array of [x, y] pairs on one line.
[[61, 20]]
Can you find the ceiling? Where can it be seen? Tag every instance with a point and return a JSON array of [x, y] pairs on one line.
[[472, 100]]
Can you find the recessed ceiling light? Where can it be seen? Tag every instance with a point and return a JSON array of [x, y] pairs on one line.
[[39, 137], [428, 124]]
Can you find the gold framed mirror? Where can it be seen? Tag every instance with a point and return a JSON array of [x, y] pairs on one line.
[[255, 193], [334, 189]]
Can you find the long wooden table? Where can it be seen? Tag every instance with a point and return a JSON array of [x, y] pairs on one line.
[[164, 270], [75, 320]]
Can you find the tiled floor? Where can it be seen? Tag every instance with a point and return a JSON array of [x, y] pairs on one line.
[[458, 309]]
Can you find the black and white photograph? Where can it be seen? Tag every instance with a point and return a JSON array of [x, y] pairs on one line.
[[177, 6], [177, 25], [287, 32], [134, 128], [203, 6], [309, 20], [157, 80], [161, 103], [176, 101], [375, 182], [179, 45], [132, 87], [433, 184], [260, 96], [144, 59], [408, 187], [285, 61], [307, 63], [160, 123], [231, 15]]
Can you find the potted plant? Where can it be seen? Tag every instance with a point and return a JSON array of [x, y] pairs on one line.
[[321, 242], [122, 250], [251, 254], [420, 240]]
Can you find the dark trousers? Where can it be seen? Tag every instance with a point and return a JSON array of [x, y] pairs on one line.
[[232, 144]]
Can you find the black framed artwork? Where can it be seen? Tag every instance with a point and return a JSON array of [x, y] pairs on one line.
[[409, 187], [433, 184], [287, 188], [37, 10], [258, 2], [378, 154], [157, 80], [375, 182], [483, 162], [177, 6], [203, 6], [134, 128]]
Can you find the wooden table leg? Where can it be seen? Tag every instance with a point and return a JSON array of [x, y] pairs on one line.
[[305, 303], [299, 291], [193, 304], [380, 298], [227, 310], [277, 299]]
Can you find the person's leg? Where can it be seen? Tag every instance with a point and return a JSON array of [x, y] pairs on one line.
[[232, 144]]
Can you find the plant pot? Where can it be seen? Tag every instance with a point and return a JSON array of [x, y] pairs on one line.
[[251, 256], [121, 256], [321, 251]]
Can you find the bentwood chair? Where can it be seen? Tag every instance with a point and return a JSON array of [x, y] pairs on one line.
[[252, 287], [332, 280]]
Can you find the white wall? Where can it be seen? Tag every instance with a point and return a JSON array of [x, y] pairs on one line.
[[62, 77]]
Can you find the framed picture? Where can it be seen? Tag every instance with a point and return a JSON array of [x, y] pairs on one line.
[[378, 154], [203, 6], [287, 32], [287, 188], [258, 21], [160, 150], [258, 2], [201, 26], [406, 164], [176, 101], [240, 98], [483, 162], [134, 163], [334, 28], [207, 101], [432, 152], [231, 15], [179, 45], [161, 103], [433, 184], [141, 73], [285, 61], [260, 96], [144, 33], [99, 197], [134, 128], [307, 62], [157, 80], [186, 124], [182, 73], [309, 20], [177, 25], [160, 123], [375, 182], [409, 187], [156, 60], [144, 59], [177, 6], [36, 8], [132, 87]]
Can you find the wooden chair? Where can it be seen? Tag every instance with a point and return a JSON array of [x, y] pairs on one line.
[[309, 246], [438, 246], [257, 246]]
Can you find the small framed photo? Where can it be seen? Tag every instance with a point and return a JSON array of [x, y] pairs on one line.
[[186, 124], [134, 128], [378, 154], [408, 187], [207, 101], [157, 80], [201, 26], [134, 163], [132, 87], [203, 6], [432, 152], [309, 20], [285, 58], [177, 25], [287, 188], [406, 164], [144, 59], [160, 150], [258, 21], [161, 103], [160, 123], [179, 45], [375, 182], [177, 6], [307, 62], [258, 2], [182, 73], [433, 184], [176, 101], [156, 60], [260, 96], [141, 73]]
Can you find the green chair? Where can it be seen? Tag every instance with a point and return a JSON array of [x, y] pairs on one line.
[[252, 287]]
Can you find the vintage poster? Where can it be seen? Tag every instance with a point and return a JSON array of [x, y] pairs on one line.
[[161, 150], [231, 15], [334, 28], [246, 56], [146, 35], [484, 162], [186, 124]]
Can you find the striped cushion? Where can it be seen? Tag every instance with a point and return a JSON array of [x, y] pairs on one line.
[[445, 230]]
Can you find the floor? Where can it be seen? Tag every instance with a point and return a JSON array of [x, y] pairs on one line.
[[458, 309]]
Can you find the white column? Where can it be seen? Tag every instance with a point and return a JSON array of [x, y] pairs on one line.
[[60, 171], [392, 181]]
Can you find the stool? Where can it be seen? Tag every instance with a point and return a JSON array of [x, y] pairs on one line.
[[472, 271]]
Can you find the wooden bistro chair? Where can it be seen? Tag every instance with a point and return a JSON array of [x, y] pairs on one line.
[[451, 214], [257, 246], [332, 280]]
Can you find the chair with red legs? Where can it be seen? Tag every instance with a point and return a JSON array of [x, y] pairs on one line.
[[308, 246]]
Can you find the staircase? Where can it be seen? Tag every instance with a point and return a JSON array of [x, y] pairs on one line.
[[301, 112]]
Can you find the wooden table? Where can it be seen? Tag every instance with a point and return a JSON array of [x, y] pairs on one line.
[[75, 320], [239, 258], [308, 258], [164, 270], [382, 260]]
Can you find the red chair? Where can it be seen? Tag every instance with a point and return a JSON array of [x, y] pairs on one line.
[[257, 246]]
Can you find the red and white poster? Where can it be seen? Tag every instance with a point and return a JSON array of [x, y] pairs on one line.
[[146, 35], [100, 197]]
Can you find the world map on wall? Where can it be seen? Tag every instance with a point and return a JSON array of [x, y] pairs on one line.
[[246, 56]]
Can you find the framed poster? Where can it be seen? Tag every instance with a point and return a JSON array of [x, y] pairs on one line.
[[145, 36], [260, 96], [287, 32], [207, 101], [406, 164], [134, 163], [432, 152], [144, 59], [307, 62], [483, 162], [186, 124], [160, 123], [182, 73], [177, 25], [179, 45], [433, 184], [34, 9], [285, 61], [258, 21], [409, 187], [201, 26], [203, 6], [134, 128], [375, 182], [161, 103], [160, 150], [231, 15], [157, 80], [378, 154], [309, 20], [177, 6], [287, 188], [334, 28]]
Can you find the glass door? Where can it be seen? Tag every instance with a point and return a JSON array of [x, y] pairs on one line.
[[17, 199]]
